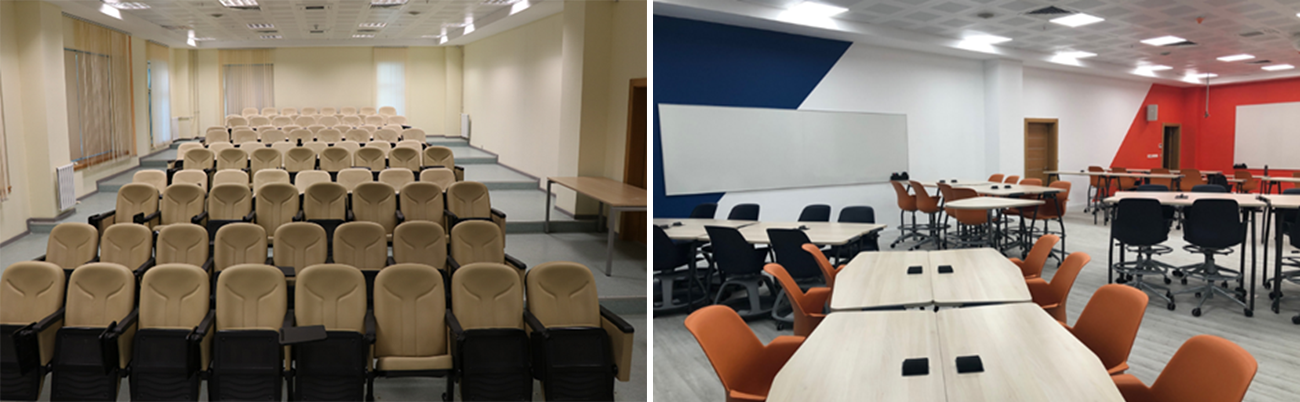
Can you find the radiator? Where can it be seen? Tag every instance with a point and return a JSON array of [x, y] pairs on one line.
[[67, 188], [464, 125]]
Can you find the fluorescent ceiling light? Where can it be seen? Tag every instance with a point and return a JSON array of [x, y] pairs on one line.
[[1150, 69], [1278, 67], [815, 10], [239, 3], [374, 25], [110, 11], [383, 3], [1236, 57], [1164, 40], [1075, 54], [272, 37], [120, 5], [499, 2], [1077, 20], [986, 39], [443, 40], [205, 38], [519, 6], [190, 41], [1157, 67], [363, 36], [468, 28], [430, 36], [261, 26]]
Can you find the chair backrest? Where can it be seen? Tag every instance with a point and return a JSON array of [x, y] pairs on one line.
[[995, 178], [334, 159], [273, 136], [300, 159], [400, 290], [815, 213], [329, 135], [251, 296], [375, 120], [422, 201], [350, 145], [257, 121], [269, 111], [1031, 182], [732, 253], [187, 146], [1153, 188], [387, 135], [1033, 265], [299, 245], [351, 177], [229, 176], [308, 111], [309, 177], [1139, 222], [234, 158], [325, 200], [183, 243], [213, 137], [486, 296], [263, 128], [249, 111], [305, 120], [477, 241], [71, 244], [277, 203], [414, 134], [357, 135], [265, 158], [302, 134], [354, 121], [828, 272], [199, 158], [562, 294], [348, 111], [743, 212], [1110, 322], [288, 111], [1065, 275], [216, 149], [439, 156], [857, 214], [30, 291], [387, 111], [380, 145], [727, 341], [105, 294], [375, 202], [370, 157], [333, 295], [1206, 368], [327, 121], [421, 242], [289, 128], [173, 296], [366, 111], [153, 177], [791, 288], [242, 135], [190, 176], [136, 198], [281, 121], [238, 243], [128, 244], [396, 120], [443, 177], [237, 121], [469, 199], [396, 177], [413, 144], [1209, 188], [181, 202], [328, 110], [284, 147], [1011, 179], [906, 202], [788, 246], [1215, 224], [363, 245], [230, 201], [704, 211]]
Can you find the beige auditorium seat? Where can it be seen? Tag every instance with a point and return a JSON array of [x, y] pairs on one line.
[[270, 176], [376, 202], [264, 128], [411, 336], [369, 157], [291, 127], [562, 299], [191, 176], [423, 201], [471, 200], [32, 295], [436, 156], [128, 244], [183, 243], [382, 145], [301, 244], [357, 135], [174, 303], [249, 111], [353, 120], [328, 111], [307, 178], [443, 177], [305, 120], [351, 146], [414, 134], [480, 241], [315, 128], [273, 136], [214, 128], [404, 158], [362, 245], [265, 158], [217, 148], [229, 176], [326, 204], [316, 146], [387, 135], [182, 203], [327, 120], [98, 314], [398, 120], [335, 159], [307, 111], [136, 203], [251, 307], [184, 148], [277, 204], [396, 177], [269, 111], [258, 121], [329, 136], [387, 111], [252, 146], [370, 128], [229, 204], [420, 242], [348, 111], [397, 128], [301, 135], [284, 147], [281, 121], [153, 177], [201, 159], [366, 111], [375, 120], [215, 136], [237, 121], [350, 178], [299, 159], [343, 128], [412, 144], [238, 136], [334, 296], [233, 158], [488, 296], [238, 243]]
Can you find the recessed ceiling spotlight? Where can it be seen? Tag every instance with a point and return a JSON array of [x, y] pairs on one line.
[[261, 26], [272, 37], [1237, 57], [363, 36], [1077, 20], [1164, 40], [374, 25], [986, 39], [815, 10], [241, 4], [1075, 54], [1279, 67]]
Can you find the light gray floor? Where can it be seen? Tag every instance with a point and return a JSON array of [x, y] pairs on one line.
[[683, 374]]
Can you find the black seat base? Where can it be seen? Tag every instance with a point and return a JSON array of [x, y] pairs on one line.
[[79, 369], [161, 368], [494, 366], [333, 369], [574, 364], [246, 366], [14, 384]]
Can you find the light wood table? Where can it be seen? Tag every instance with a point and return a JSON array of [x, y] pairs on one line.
[[991, 204], [620, 197], [980, 275], [1027, 356], [880, 279], [692, 229], [858, 356], [819, 233], [1269, 182], [1001, 190]]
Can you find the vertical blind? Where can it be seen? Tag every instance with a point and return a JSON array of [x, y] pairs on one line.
[[247, 78], [160, 105], [97, 67], [4, 155], [390, 78]]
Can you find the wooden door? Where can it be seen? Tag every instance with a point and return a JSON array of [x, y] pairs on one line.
[[1040, 148], [1172, 146], [632, 225]]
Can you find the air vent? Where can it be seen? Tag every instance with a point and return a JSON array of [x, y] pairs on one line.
[[1050, 10], [1182, 44], [178, 27], [317, 32], [366, 31], [271, 31], [1251, 34]]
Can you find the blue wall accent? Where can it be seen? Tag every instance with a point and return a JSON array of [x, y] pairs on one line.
[[703, 63]]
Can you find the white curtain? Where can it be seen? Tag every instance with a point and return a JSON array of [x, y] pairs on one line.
[[248, 78], [390, 78], [160, 105], [97, 66]]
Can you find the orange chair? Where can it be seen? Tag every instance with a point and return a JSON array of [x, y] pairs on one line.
[[1168, 183], [930, 206], [808, 307], [996, 178], [1031, 182], [906, 204], [1249, 182], [1191, 178], [1052, 296], [1123, 183], [1295, 174], [745, 366], [1094, 186], [1109, 324], [824, 264], [970, 229], [1012, 180], [1206, 368], [1032, 266], [1054, 210]]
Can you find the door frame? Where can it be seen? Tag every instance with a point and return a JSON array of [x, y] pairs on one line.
[[1177, 158], [628, 230], [1053, 145]]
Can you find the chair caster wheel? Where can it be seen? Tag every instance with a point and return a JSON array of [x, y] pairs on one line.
[[1170, 306], [1241, 298], [1168, 281], [1198, 295], [1268, 285], [1169, 295], [1295, 320], [1277, 306], [1184, 281], [1121, 280], [1196, 312], [1178, 274], [1223, 285], [1250, 313], [780, 326]]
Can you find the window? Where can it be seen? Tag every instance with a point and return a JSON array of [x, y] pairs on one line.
[[158, 81], [390, 78], [248, 79], [97, 77]]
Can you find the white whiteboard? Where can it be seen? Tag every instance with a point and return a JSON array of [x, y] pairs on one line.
[[709, 149], [1268, 134]]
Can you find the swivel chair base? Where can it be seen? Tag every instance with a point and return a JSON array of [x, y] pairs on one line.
[[1132, 272], [1210, 272], [754, 305]]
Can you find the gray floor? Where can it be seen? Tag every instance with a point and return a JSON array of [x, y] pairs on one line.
[[682, 373]]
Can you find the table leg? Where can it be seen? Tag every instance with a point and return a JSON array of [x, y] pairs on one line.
[[1253, 250], [609, 246], [600, 214], [1277, 263], [1267, 227], [546, 224], [1110, 260]]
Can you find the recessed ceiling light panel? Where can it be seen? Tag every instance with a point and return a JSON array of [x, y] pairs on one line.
[[1077, 20], [1157, 67], [387, 3], [499, 2], [1237, 57], [272, 37], [986, 39], [374, 25], [124, 5], [261, 26], [241, 4], [1075, 54], [1278, 67], [1164, 40], [815, 10], [363, 36]]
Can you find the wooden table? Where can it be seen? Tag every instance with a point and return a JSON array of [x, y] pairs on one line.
[[1027, 356], [981, 275], [1001, 190], [755, 232], [874, 280], [991, 204], [1270, 181], [858, 356], [620, 197]]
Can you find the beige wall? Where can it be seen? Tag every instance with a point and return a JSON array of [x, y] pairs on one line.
[[627, 61], [426, 89], [324, 76], [14, 211], [181, 87]]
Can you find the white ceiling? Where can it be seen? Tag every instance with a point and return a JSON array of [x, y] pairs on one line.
[[406, 25], [1273, 24]]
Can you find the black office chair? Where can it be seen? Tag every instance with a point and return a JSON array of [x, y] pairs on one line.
[[1140, 227], [1212, 230], [743, 212], [1209, 188], [788, 246], [669, 256], [1288, 222], [1159, 188], [704, 211], [815, 213], [868, 242], [740, 266]]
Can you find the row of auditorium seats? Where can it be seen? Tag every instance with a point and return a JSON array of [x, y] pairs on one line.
[[298, 134], [312, 111], [349, 178], [307, 120], [375, 156]]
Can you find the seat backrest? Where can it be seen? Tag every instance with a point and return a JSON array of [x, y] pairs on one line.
[[1139, 222], [128, 244], [71, 244], [477, 241], [181, 202], [469, 199], [443, 177], [229, 176], [995, 178], [330, 110], [792, 289], [187, 146], [300, 159], [216, 149], [242, 135], [190, 176], [249, 111], [239, 243], [381, 145], [308, 111], [353, 121], [563, 294], [269, 111], [857, 214], [233, 158], [334, 159], [277, 203], [370, 128], [1154, 188], [299, 245], [487, 295], [788, 247], [351, 177], [288, 128], [399, 120], [413, 134], [828, 272], [328, 121], [350, 145], [727, 341], [251, 296], [366, 111], [305, 120], [258, 121], [184, 243], [105, 292], [309, 177], [375, 120], [362, 245], [1110, 322], [375, 202], [281, 121], [732, 253], [404, 157], [410, 308], [302, 134], [906, 202], [199, 159], [1037, 257], [284, 147], [325, 200], [265, 158], [153, 177], [396, 177], [815, 213], [1215, 224], [229, 201], [348, 111], [357, 135], [420, 242], [136, 198], [1031, 182], [743, 212], [1063, 279], [237, 121], [333, 295], [329, 135], [439, 156], [269, 176], [422, 201], [1191, 178], [213, 137], [1209, 188], [1206, 368], [273, 136], [387, 135], [288, 111], [387, 111], [1012, 179], [30, 291], [370, 157], [173, 296], [704, 211]]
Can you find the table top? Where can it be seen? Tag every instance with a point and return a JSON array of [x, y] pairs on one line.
[[823, 233], [1026, 355], [1281, 179], [961, 183], [880, 279], [692, 228], [858, 356], [1112, 174], [1284, 201], [991, 203], [980, 275], [1171, 198], [985, 188], [610, 192]]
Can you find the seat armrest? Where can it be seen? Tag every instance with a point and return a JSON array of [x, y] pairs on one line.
[[452, 218], [454, 325], [350, 217], [289, 321], [400, 216], [139, 272], [1132, 388], [1019, 263], [452, 265], [780, 349], [370, 327], [390, 261], [298, 216], [48, 321], [108, 340], [207, 265], [497, 212], [199, 218], [97, 219], [249, 218], [535, 324], [618, 322], [200, 331], [515, 262], [42, 258], [142, 219], [289, 272], [621, 338]]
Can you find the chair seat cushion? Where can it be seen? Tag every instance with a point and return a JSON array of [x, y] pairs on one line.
[[410, 363]]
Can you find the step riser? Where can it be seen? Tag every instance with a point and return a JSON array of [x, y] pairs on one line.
[[622, 305], [510, 185], [556, 227]]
